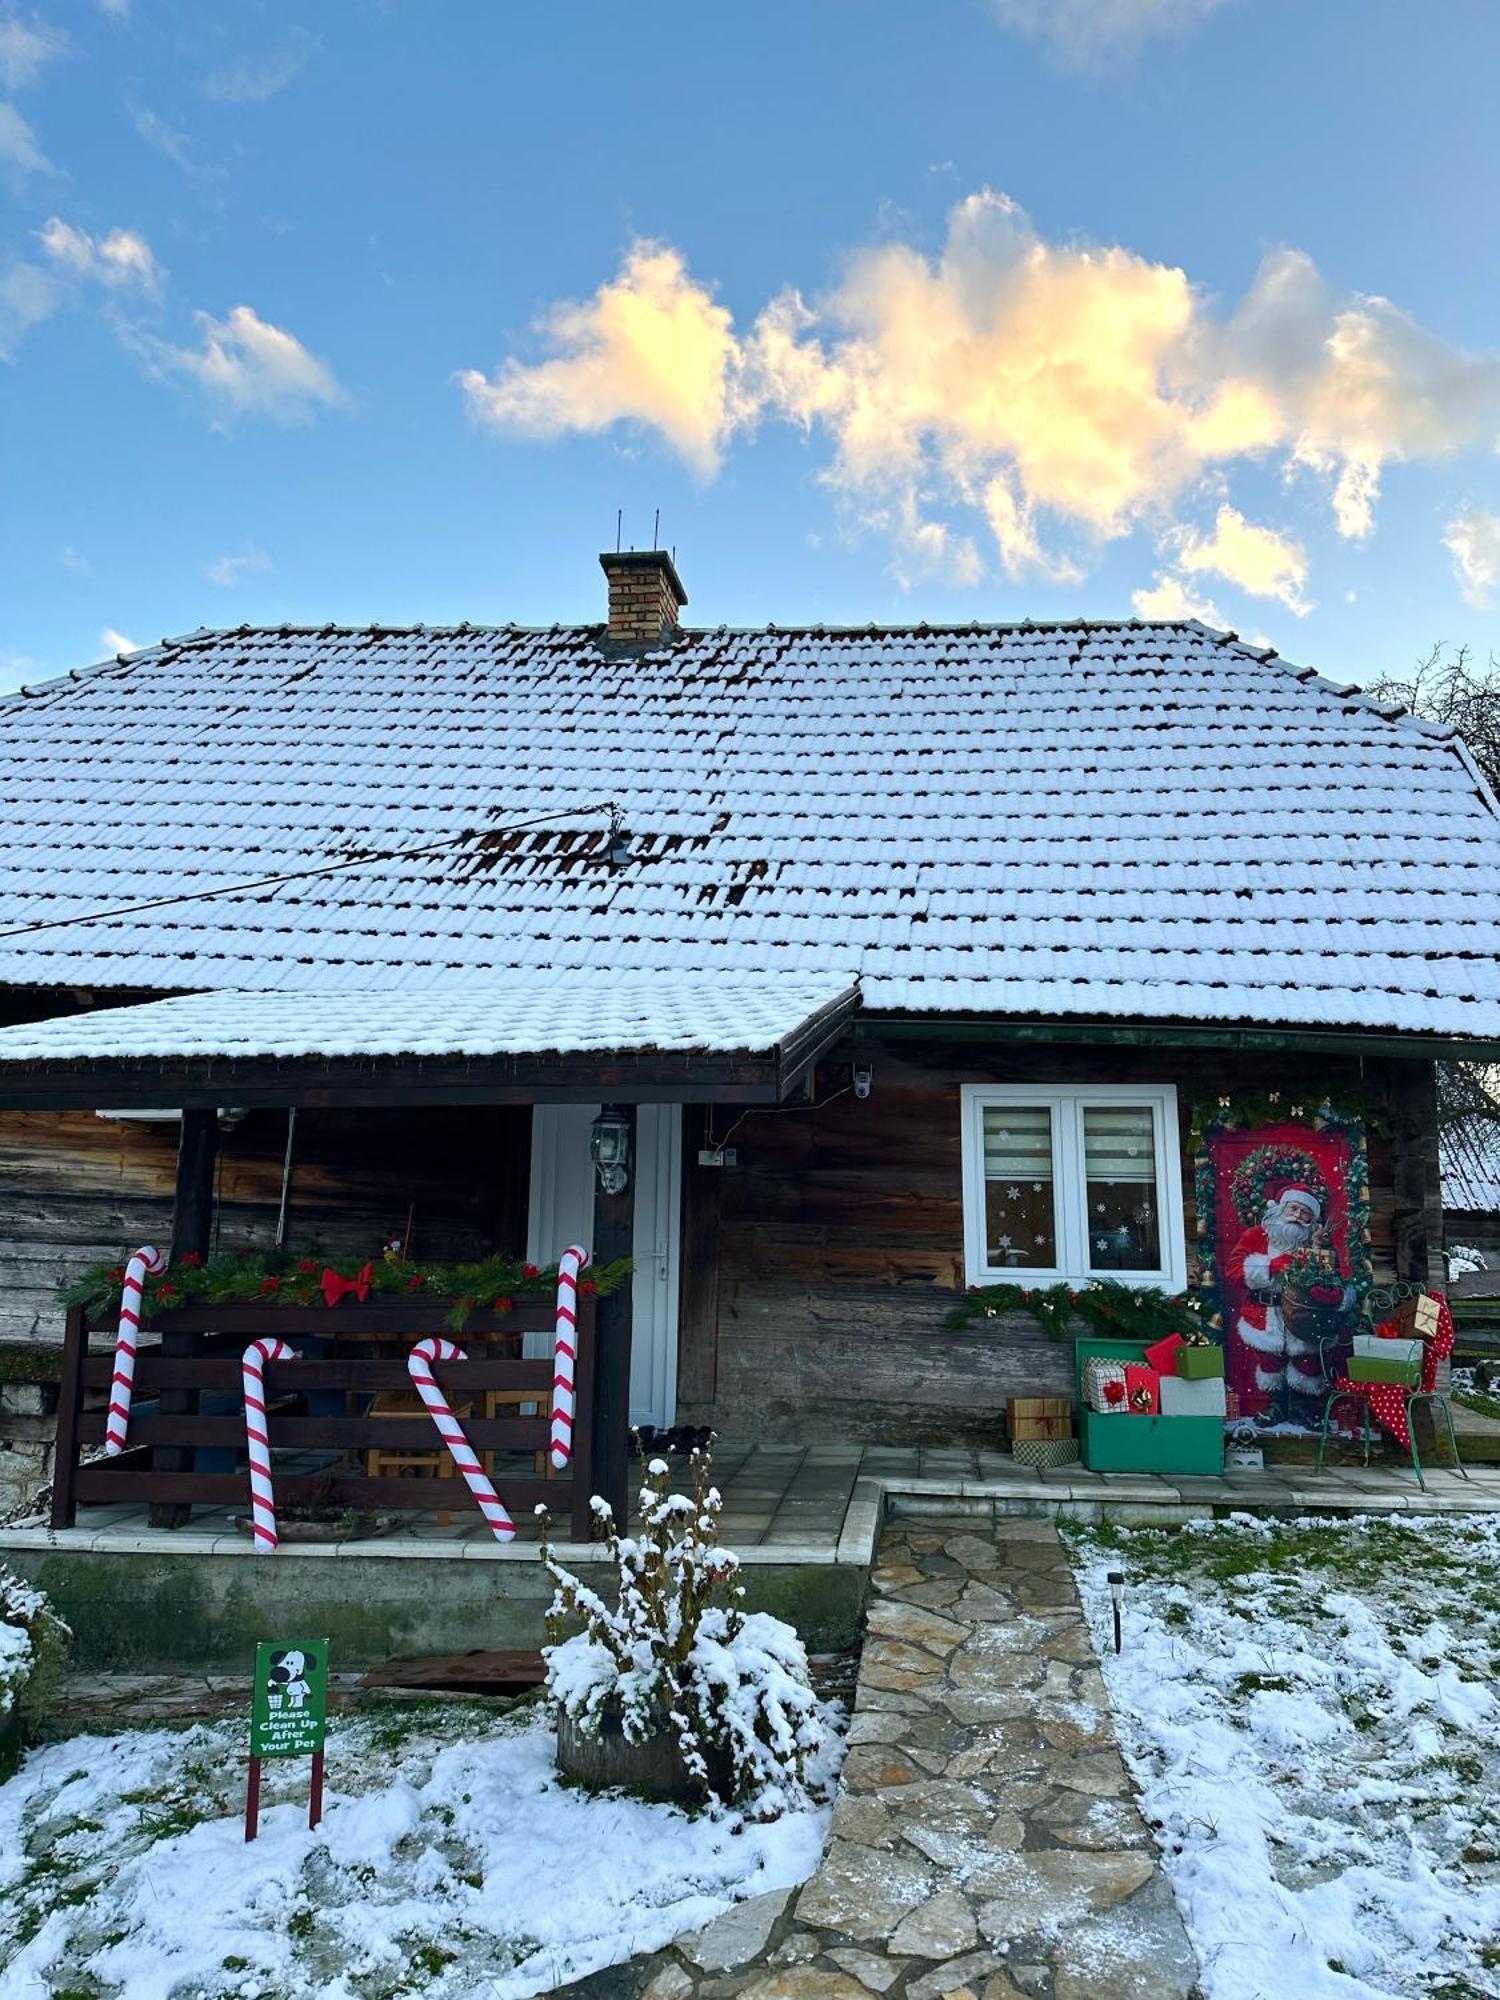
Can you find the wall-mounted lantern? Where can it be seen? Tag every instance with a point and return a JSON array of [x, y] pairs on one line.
[[609, 1149]]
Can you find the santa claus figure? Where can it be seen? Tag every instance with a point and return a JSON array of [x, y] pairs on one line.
[[1269, 1365]]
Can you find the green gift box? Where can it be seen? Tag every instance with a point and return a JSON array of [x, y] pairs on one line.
[[1198, 1364], [1374, 1368]]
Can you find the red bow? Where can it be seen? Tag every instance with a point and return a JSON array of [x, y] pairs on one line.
[[334, 1287]]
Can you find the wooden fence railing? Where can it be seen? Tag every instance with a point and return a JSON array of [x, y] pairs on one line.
[[188, 1401]]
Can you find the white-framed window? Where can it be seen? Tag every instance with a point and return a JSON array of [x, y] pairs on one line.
[[1071, 1182]]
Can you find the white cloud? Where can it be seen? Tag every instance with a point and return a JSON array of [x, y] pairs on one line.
[[1057, 394], [20, 155], [72, 560], [1473, 540], [649, 347], [228, 572], [1082, 33], [26, 48], [28, 295], [245, 366], [116, 642], [1258, 559], [256, 79], [117, 9], [121, 258], [1170, 598]]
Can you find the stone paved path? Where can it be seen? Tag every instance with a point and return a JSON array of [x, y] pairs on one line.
[[986, 1843]]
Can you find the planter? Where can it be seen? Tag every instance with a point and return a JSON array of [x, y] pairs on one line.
[[652, 1768]]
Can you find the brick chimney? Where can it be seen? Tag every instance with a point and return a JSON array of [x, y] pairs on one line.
[[645, 596]]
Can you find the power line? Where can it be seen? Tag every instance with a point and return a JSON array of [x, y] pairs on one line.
[[304, 874]]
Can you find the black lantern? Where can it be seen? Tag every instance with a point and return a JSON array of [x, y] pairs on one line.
[[609, 1149]]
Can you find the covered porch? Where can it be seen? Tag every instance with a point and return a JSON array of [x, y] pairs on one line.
[[602, 1067]]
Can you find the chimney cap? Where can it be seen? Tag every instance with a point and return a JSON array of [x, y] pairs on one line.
[[645, 559]]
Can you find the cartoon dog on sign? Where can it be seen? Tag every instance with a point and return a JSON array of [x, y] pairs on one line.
[[288, 1679]]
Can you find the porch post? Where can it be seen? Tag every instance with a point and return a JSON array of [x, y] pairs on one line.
[[192, 1232], [614, 1237]]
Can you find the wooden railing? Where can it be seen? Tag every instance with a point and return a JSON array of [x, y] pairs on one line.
[[198, 1359]]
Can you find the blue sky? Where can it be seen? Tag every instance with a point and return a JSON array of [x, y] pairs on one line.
[[974, 309]]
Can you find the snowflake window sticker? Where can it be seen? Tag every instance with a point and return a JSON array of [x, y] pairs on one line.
[[1036, 1187], [1012, 1194], [1039, 1237], [1002, 1242]]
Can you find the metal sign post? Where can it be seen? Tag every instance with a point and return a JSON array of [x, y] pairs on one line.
[[288, 1717]]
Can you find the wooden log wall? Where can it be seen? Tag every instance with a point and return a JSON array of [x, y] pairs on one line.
[[75, 1188], [821, 1267]]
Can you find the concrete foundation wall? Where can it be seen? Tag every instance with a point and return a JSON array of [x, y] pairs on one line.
[[183, 1613]]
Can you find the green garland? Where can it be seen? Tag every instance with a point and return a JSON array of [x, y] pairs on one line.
[[1107, 1308], [281, 1278]]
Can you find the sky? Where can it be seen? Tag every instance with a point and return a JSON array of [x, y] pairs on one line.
[[974, 309]]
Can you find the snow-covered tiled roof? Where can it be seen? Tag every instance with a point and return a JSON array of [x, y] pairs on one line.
[[1469, 1153], [526, 1014], [1128, 821]]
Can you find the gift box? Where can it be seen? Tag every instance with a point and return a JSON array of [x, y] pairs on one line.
[[1142, 1391], [1376, 1368], [1417, 1318], [1198, 1364], [1045, 1452], [1182, 1397], [1377, 1347], [1040, 1418], [1161, 1354], [1104, 1386]]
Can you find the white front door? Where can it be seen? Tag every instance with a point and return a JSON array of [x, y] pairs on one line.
[[562, 1212]]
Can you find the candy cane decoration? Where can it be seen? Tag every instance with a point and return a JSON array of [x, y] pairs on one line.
[[564, 1355], [419, 1367], [262, 1499], [147, 1261]]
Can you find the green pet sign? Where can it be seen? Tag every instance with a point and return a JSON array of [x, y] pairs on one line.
[[288, 1716]]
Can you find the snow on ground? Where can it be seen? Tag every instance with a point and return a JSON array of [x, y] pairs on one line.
[[1307, 1707], [450, 1862]]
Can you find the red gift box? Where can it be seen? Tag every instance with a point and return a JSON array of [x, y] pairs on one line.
[[1161, 1356], [1142, 1390]]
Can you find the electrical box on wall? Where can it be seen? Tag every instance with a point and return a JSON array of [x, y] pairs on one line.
[[718, 1156]]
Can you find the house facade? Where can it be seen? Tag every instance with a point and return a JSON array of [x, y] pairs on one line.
[[908, 961]]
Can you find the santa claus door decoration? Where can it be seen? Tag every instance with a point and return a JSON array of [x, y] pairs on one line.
[[1283, 1225]]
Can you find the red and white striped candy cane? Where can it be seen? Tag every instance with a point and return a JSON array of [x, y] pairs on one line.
[[564, 1353], [419, 1367], [262, 1499], [148, 1260]]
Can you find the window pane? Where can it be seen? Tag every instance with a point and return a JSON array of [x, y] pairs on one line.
[[1019, 1218], [1119, 1166]]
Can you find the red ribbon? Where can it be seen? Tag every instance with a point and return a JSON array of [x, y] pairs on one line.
[[335, 1288]]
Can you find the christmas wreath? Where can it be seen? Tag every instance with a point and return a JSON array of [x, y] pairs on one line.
[[1274, 1167]]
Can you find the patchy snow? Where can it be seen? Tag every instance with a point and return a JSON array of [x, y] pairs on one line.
[[1308, 1710], [21, 1607], [450, 1861]]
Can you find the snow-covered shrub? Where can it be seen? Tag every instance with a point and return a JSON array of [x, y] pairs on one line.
[[677, 1654], [33, 1653], [1463, 1259]]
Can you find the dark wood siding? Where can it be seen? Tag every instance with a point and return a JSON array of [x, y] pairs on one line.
[[840, 1237], [75, 1188]]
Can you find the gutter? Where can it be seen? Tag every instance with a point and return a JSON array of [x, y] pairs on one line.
[[1131, 1034]]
